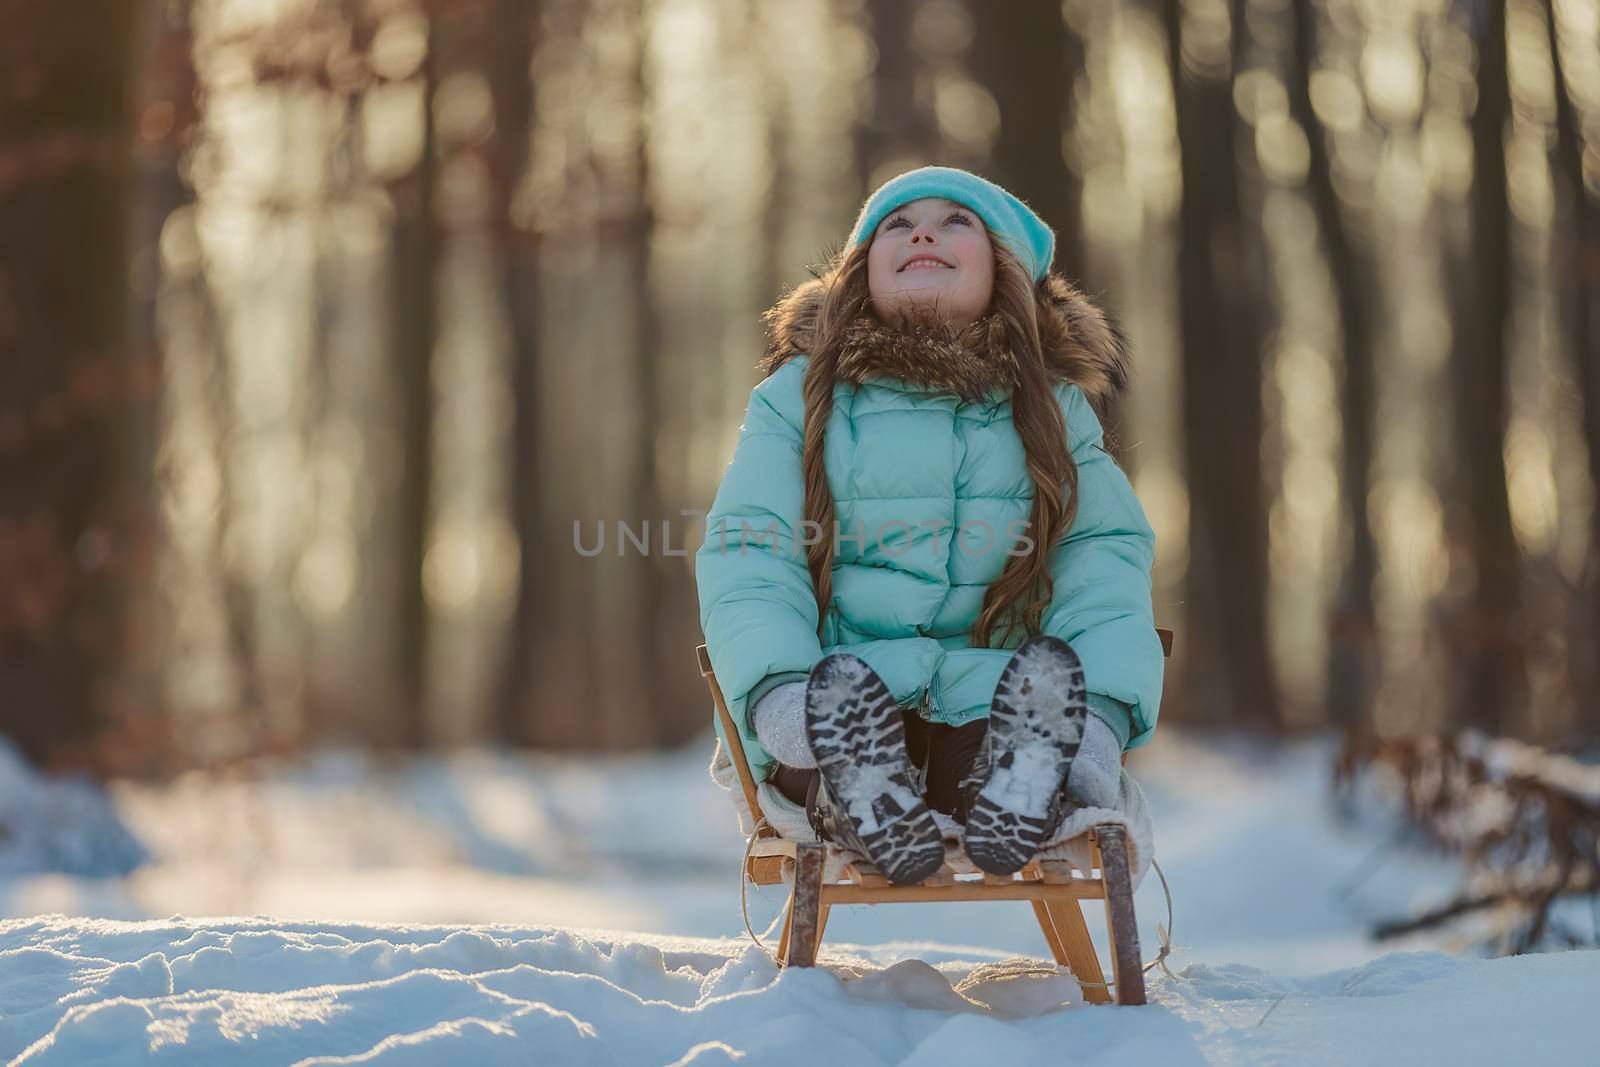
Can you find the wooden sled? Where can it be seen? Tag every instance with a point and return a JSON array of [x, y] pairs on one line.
[[1054, 887]]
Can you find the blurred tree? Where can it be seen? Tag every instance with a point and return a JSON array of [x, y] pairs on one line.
[[776, 255], [1484, 625], [1030, 62], [618, 676], [168, 113], [1228, 669], [168, 122], [414, 330], [899, 131], [668, 685], [1353, 666], [70, 517], [648, 626], [509, 31], [1577, 278], [554, 692]]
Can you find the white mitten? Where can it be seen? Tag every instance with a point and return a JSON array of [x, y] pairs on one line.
[[779, 720], [1095, 777]]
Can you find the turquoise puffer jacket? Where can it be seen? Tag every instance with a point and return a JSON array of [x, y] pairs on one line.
[[930, 488]]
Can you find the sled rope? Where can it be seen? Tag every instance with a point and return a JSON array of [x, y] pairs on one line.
[[744, 903], [1164, 932]]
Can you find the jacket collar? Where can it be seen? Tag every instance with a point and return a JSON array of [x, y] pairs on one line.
[[1082, 346]]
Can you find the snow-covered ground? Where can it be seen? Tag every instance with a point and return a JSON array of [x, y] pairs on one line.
[[270, 992], [493, 909]]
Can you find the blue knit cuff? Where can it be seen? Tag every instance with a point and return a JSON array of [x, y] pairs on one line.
[[1115, 714], [768, 684]]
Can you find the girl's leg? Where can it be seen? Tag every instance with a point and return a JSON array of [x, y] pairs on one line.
[[1094, 779], [795, 783], [919, 735], [950, 757], [779, 719]]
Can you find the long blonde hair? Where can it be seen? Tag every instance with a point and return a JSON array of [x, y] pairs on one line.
[[1021, 594]]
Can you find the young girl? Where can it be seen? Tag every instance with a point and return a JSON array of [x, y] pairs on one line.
[[924, 580]]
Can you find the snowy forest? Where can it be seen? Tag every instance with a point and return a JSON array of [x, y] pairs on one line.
[[368, 367]]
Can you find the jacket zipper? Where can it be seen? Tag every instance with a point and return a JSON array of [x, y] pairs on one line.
[[928, 700]]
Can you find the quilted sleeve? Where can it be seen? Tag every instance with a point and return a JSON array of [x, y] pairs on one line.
[[1102, 571], [758, 608]]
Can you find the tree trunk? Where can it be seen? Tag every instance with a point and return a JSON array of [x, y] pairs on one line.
[[665, 711], [1577, 277], [69, 519], [646, 573], [414, 316], [168, 119], [1229, 670], [776, 257], [1352, 618], [899, 125], [1029, 62], [510, 35], [1488, 668]]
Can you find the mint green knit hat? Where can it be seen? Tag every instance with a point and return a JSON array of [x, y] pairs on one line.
[[1006, 217]]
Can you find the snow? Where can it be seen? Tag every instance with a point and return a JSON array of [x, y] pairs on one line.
[[487, 908], [264, 992], [58, 824]]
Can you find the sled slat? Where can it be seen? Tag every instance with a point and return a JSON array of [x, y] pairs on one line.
[[1057, 872], [866, 874], [765, 870], [1067, 916], [895, 894], [1048, 927]]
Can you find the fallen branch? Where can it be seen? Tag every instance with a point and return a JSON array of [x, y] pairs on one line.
[[1526, 823]]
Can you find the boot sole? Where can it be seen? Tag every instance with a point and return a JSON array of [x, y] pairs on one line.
[[853, 725], [1035, 726]]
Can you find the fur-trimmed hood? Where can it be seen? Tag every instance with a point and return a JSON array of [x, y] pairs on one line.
[[1082, 345]]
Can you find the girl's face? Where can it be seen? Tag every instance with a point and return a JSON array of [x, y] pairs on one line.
[[931, 255]]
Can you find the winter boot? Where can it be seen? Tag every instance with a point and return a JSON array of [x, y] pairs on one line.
[[1014, 794], [869, 799]]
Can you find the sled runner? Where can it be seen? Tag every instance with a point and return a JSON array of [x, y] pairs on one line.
[[1054, 887]]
